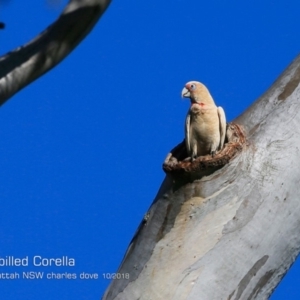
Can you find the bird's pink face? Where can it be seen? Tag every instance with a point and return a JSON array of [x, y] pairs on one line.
[[189, 89]]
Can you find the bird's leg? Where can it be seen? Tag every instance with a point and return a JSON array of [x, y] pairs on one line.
[[193, 157], [194, 152], [213, 153]]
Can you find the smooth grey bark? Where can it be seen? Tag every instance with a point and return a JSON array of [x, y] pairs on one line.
[[28, 62], [235, 233]]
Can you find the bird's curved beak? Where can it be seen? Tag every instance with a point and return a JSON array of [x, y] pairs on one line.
[[185, 93]]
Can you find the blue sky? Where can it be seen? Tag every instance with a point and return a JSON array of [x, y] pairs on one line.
[[82, 147]]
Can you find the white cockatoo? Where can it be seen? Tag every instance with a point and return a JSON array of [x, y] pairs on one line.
[[205, 125]]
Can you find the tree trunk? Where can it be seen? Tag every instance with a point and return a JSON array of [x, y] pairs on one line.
[[28, 62], [231, 234]]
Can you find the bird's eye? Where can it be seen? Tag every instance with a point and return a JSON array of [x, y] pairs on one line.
[[192, 86]]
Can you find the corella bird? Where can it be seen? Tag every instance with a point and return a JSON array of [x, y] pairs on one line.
[[205, 125]]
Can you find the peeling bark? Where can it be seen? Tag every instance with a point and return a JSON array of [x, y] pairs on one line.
[[28, 62], [232, 233]]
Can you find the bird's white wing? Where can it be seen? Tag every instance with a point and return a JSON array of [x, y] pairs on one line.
[[187, 132], [222, 125]]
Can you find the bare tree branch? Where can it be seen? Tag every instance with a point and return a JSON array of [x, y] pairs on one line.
[[231, 234], [26, 63]]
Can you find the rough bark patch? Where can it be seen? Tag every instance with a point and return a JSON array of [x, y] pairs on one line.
[[177, 166], [290, 86], [245, 212], [247, 278], [261, 283]]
